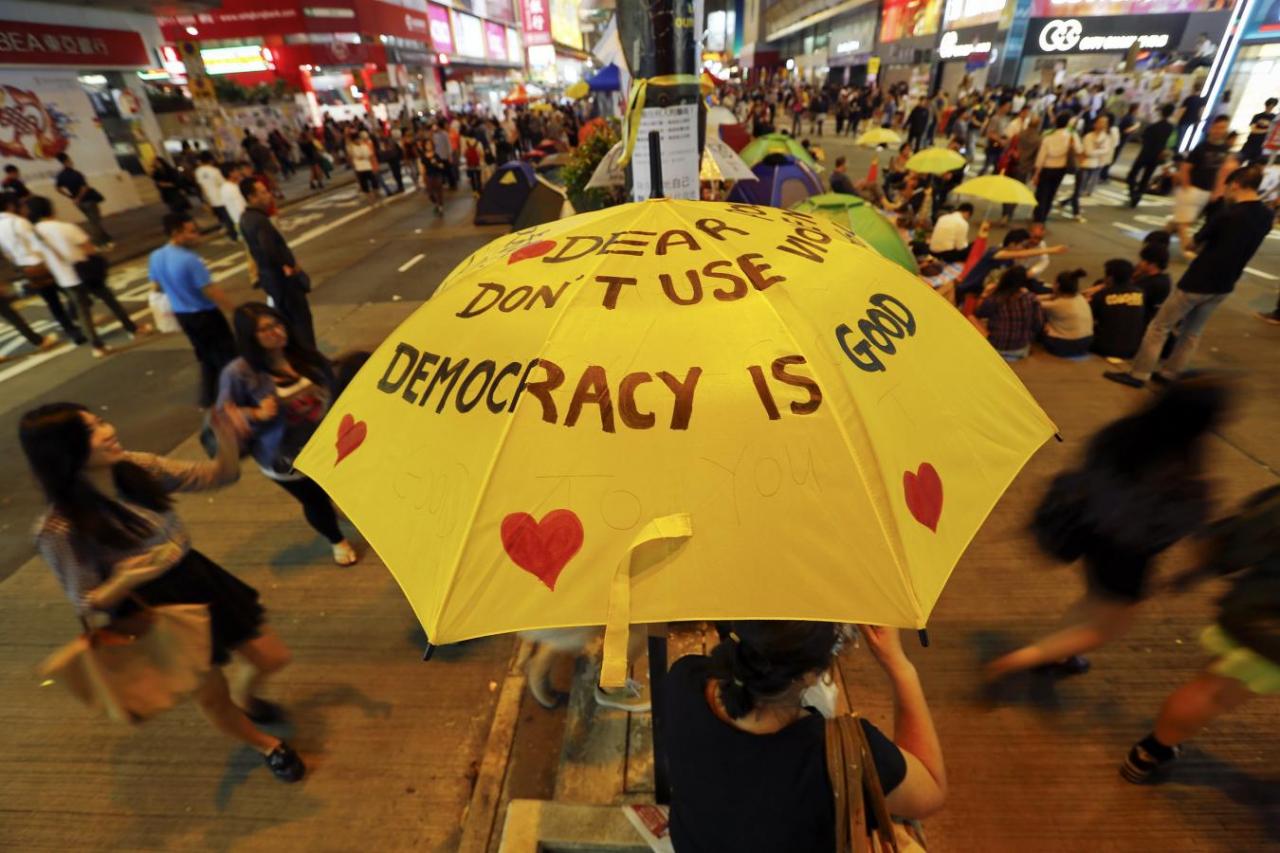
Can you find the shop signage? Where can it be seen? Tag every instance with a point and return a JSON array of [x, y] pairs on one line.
[[1090, 8], [851, 46], [495, 40], [971, 13], [853, 39], [951, 48], [1104, 35], [537, 22], [23, 43], [441, 32], [904, 19]]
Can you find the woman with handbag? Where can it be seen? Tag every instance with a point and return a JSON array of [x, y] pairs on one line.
[[281, 391], [753, 769], [1140, 489], [1244, 640], [78, 268], [113, 539]]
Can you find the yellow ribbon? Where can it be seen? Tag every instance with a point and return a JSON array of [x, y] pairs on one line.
[[667, 533], [635, 103]]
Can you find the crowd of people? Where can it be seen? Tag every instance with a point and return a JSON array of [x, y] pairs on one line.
[[116, 544]]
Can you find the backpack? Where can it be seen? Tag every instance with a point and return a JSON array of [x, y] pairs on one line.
[[472, 154]]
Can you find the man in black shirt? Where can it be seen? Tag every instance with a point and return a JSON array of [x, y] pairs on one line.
[[12, 183], [1150, 276], [1202, 179], [840, 182], [1118, 312], [278, 272], [75, 186], [1259, 127], [1226, 244], [1154, 141]]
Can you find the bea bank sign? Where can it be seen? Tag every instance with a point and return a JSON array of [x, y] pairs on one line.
[[1104, 34]]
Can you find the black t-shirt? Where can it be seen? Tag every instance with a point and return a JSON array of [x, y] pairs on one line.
[[1226, 244], [1206, 161], [15, 186], [1155, 138], [1253, 145], [741, 792], [1119, 321], [1155, 290], [70, 180]]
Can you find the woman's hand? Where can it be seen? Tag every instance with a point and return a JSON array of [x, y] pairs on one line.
[[267, 410], [150, 564], [886, 645]]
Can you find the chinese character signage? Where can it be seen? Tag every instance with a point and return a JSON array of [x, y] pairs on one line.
[[23, 43], [441, 32], [904, 19], [537, 22]]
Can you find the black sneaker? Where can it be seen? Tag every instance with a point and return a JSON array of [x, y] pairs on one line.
[[1124, 378], [264, 713], [1141, 765], [285, 764]]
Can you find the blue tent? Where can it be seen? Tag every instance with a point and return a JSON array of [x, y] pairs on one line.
[[608, 80], [505, 194], [780, 182]]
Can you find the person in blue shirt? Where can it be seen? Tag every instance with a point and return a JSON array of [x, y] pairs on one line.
[[199, 305]]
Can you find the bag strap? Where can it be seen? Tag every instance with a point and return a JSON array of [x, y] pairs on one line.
[[875, 792], [845, 771]]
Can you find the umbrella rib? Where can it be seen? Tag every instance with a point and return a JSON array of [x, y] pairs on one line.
[[502, 441], [890, 530]]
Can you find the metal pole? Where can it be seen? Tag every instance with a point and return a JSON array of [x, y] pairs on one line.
[[655, 165], [657, 719]]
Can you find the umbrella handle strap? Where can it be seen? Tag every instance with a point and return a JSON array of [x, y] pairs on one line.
[[656, 541]]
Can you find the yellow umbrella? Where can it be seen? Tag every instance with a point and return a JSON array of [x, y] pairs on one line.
[[879, 136], [997, 188], [675, 410], [578, 90], [935, 161]]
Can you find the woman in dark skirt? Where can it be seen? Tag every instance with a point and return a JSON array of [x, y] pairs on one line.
[[1140, 489], [113, 540]]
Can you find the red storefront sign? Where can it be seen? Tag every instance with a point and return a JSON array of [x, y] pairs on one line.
[[537, 22], [250, 18], [23, 43], [495, 40]]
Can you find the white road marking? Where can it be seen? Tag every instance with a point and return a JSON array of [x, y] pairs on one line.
[[410, 262], [37, 359], [1261, 274]]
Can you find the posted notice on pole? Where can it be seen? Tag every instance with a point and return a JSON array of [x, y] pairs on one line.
[[678, 131]]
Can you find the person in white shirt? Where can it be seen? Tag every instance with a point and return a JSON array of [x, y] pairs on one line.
[[78, 269], [950, 238], [364, 161], [1037, 241], [234, 203], [1097, 148], [210, 179], [18, 245], [1056, 149]]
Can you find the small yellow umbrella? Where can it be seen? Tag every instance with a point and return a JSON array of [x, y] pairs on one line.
[[879, 136], [675, 410], [578, 90], [936, 161], [997, 188]]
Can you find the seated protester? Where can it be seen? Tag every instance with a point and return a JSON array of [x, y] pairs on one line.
[[1149, 274], [896, 173], [913, 194], [747, 759], [1068, 328], [840, 180], [1013, 315], [1017, 246], [950, 238], [1119, 312]]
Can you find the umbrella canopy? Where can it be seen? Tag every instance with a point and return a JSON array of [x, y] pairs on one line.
[[879, 136], [722, 163], [578, 90], [936, 161], [609, 79], [518, 95], [862, 218], [675, 410], [998, 188], [776, 143], [781, 182]]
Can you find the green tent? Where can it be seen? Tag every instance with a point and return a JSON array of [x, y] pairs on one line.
[[776, 143], [862, 218]]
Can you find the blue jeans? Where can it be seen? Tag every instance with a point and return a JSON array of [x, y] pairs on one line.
[[1192, 311]]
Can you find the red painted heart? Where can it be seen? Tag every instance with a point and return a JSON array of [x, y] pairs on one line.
[[351, 434], [533, 250], [542, 548], [923, 490]]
